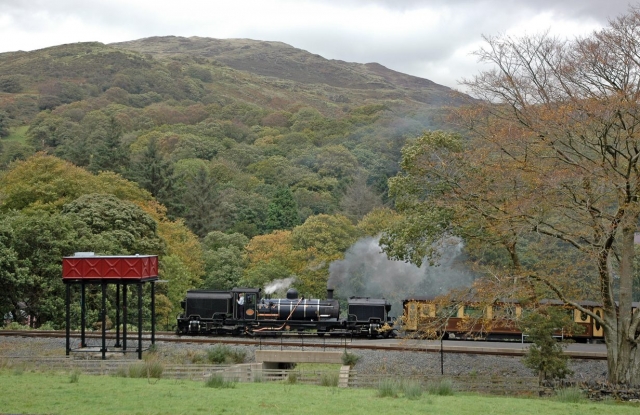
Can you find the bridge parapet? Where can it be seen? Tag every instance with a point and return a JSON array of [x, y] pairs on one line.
[[297, 356]]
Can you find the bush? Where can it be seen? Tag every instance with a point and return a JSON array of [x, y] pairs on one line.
[[388, 388], [221, 354], [218, 354], [443, 388], [546, 355], [350, 359], [48, 326], [218, 381], [237, 356], [14, 325], [196, 357]]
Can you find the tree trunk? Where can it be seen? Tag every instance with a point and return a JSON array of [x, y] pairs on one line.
[[623, 359], [622, 350]]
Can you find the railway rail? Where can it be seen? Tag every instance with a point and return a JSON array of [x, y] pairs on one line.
[[307, 340]]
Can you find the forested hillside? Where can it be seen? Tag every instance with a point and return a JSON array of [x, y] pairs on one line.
[[265, 161]]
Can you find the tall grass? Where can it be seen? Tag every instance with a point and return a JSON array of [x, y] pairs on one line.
[[392, 388], [388, 388], [74, 377], [219, 382], [146, 369], [329, 379], [412, 390], [443, 387], [570, 395]]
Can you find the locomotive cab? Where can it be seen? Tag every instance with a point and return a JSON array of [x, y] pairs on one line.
[[245, 302]]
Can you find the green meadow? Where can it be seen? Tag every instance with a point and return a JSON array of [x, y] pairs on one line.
[[28, 392]]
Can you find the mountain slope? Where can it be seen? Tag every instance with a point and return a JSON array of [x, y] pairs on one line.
[[284, 62]]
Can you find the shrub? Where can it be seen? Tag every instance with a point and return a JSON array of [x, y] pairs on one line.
[[195, 357], [570, 395], [14, 325], [237, 356], [443, 388], [47, 326], [388, 388], [546, 355], [219, 382], [329, 379], [350, 359], [220, 354], [130, 328]]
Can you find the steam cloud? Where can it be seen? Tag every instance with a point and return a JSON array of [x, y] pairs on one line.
[[366, 271], [278, 285]]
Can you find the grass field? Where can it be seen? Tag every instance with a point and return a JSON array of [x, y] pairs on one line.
[[72, 393]]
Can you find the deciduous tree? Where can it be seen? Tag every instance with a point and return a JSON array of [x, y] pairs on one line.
[[554, 161]]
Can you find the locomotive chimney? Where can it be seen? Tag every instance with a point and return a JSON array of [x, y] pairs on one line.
[[329, 293]]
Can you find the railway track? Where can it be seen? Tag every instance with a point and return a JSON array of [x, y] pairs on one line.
[[302, 341]]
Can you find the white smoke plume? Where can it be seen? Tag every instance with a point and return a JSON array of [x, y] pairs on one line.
[[366, 271], [278, 285]]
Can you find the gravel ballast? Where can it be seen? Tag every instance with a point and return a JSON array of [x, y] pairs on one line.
[[370, 362]]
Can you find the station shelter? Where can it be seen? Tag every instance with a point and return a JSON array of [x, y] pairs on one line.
[[86, 269]]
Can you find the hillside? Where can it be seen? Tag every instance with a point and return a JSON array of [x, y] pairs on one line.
[[255, 116], [284, 62], [239, 162]]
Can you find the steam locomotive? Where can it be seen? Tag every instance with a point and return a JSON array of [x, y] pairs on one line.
[[247, 311]]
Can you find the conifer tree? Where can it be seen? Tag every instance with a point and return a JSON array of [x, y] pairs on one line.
[[282, 212]]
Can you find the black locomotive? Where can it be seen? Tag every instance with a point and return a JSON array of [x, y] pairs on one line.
[[246, 311]]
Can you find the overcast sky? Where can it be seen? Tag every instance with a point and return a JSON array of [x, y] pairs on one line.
[[428, 38]]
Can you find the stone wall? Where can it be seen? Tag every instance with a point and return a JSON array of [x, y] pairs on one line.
[[595, 391]]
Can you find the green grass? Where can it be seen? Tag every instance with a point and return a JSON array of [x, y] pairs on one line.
[[17, 134], [46, 393]]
